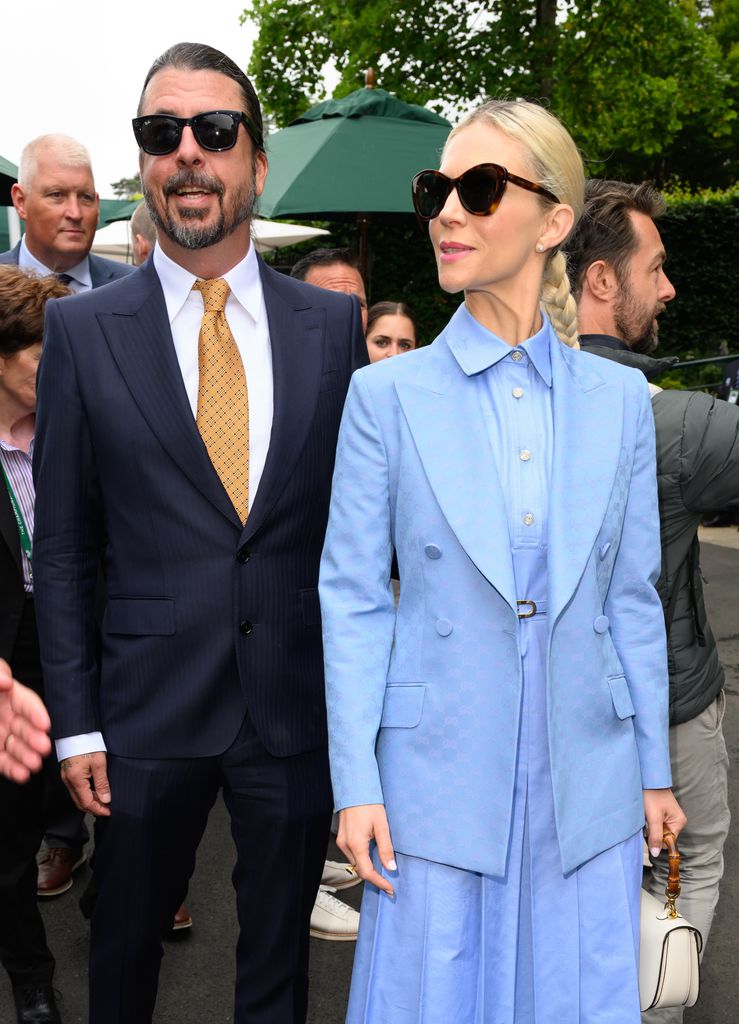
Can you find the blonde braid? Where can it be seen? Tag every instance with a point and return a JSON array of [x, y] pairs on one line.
[[558, 301]]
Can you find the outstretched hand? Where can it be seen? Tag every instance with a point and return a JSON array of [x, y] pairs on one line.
[[24, 728], [357, 827]]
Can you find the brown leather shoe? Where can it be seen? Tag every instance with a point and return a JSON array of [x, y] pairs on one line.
[[182, 919], [56, 866]]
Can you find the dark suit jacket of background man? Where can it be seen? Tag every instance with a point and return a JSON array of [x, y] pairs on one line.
[[204, 618], [102, 271]]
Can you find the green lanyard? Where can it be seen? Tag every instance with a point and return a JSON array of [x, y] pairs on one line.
[[23, 534]]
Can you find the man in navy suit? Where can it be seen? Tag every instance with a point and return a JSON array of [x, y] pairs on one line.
[[55, 196], [211, 672]]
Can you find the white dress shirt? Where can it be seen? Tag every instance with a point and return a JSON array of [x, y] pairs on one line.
[[247, 318], [81, 279]]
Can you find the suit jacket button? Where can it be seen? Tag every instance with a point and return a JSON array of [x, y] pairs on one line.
[[433, 551], [601, 624], [444, 627], [245, 627], [243, 556]]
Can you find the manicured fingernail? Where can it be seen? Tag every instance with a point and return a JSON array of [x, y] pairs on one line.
[[392, 866], [654, 850]]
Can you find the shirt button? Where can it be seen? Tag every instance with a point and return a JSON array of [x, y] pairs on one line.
[[517, 392], [528, 519], [524, 455], [516, 356]]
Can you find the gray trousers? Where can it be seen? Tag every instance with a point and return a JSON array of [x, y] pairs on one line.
[[700, 766]]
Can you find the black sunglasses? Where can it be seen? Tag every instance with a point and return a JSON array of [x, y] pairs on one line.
[[480, 190], [215, 130]]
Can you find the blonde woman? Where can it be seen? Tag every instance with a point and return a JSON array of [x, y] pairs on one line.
[[497, 745]]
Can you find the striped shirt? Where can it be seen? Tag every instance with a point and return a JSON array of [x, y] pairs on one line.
[[17, 465]]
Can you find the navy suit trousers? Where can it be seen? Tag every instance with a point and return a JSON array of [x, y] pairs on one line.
[[280, 812]]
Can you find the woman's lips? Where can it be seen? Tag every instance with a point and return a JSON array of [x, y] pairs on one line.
[[451, 252]]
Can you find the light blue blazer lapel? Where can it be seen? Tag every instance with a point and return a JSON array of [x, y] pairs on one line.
[[588, 423], [442, 409]]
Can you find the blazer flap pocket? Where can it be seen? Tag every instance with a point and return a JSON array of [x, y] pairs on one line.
[[140, 616], [620, 696], [329, 380], [403, 705]]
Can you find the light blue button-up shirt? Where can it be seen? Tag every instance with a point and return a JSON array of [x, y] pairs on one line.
[[515, 393]]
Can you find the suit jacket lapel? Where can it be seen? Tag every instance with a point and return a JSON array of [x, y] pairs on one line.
[[99, 273], [296, 336], [587, 413], [443, 412], [140, 341], [8, 527]]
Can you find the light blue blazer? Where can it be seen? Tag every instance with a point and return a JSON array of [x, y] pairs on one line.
[[423, 704]]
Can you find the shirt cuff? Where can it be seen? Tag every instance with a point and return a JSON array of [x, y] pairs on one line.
[[86, 743]]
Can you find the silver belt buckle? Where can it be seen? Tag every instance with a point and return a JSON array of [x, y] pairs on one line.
[[530, 613]]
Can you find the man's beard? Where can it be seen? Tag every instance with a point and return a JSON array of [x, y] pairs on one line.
[[635, 324], [186, 231]]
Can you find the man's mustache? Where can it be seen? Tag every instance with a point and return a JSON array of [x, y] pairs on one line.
[[192, 179]]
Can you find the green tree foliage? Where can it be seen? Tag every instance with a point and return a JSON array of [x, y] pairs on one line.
[[647, 89], [127, 188], [701, 236]]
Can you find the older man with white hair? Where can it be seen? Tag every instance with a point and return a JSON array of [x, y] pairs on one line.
[[55, 196]]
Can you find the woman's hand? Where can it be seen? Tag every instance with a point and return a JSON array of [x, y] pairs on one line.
[[662, 811], [359, 825]]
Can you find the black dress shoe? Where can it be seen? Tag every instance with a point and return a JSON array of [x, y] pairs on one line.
[[35, 1004]]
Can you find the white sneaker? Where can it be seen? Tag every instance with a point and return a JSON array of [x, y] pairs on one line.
[[338, 875], [333, 920]]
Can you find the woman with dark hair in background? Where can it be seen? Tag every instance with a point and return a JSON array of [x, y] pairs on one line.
[[391, 330]]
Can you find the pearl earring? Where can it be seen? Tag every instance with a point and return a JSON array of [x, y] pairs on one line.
[[540, 247]]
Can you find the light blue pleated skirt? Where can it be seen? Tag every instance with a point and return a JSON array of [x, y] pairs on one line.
[[533, 947]]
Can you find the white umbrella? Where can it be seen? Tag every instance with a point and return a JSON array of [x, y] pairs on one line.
[[114, 240]]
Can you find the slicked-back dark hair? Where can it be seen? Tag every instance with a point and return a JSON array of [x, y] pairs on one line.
[[605, 232], [323, 258], [199, 57]]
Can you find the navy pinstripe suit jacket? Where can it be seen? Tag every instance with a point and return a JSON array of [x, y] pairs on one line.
[[204, 618]]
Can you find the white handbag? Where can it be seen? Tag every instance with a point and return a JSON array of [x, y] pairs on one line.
[[669, 951]]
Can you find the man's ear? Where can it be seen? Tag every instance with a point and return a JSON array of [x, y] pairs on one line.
[[260, 172], [18, 195], [600, 280]]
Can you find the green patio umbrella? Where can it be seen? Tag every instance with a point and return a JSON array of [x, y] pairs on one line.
[[8, 177], [354, 155]]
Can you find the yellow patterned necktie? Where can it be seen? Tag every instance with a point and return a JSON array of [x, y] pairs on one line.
[[223, 399]]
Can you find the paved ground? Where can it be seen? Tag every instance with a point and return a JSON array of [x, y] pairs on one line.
[[197, 975]]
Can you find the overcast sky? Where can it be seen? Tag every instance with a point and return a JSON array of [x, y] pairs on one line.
[[79, 69]]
